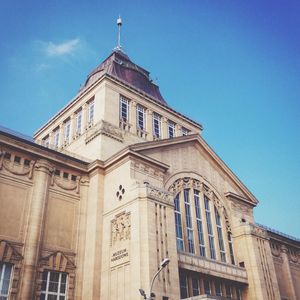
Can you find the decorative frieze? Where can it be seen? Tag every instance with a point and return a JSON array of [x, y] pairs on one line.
[[147, 169], [160, 195], [104, 128], [16, 165]]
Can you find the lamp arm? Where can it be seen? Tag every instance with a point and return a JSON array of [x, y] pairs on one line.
[[155, 275]]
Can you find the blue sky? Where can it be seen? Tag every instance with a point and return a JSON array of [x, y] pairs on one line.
[[233, 66]]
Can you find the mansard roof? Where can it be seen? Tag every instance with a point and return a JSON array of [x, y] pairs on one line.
[[119, 66]]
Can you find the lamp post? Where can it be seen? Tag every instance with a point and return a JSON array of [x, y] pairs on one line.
[[163, 264]]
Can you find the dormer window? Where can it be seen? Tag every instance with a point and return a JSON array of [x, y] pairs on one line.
[[78, 122], [140, 117], [91, 106], [124, 109], [184, 131], [156, 125], [67, 127], [56, 137], [46, 141], [171, 129]]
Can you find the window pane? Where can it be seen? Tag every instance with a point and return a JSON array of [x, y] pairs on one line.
[[183, 286], [195, 286]]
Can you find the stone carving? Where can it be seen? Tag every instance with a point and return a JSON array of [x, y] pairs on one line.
[[159, 194], [144, 168], [258, 231], [20, 170], [104, 128], [121, 228], [67, 185]]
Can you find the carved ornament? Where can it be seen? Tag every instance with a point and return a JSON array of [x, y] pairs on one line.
[[11, 167], [104, 128], [121, 228]]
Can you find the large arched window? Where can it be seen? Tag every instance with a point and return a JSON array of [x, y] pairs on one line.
[[202, 226]]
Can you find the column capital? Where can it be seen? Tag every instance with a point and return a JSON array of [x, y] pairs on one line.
[[43, 165]]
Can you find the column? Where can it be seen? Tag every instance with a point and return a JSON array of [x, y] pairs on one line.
[[286, 264], [73, 128], [61, 136], [33, 241], [132, 126], [149, 125], [84, 117], [82, 235], [178, 130], [164, 128]]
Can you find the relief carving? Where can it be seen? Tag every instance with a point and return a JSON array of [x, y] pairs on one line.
[[121, 228], [104, 128], [19, 170], [159, 194]]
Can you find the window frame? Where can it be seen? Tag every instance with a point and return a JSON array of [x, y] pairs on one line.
[[171, 129], [58, 294], [3, 268], [156, 123], [141, 117], [91, 111], [124, 109], [78, 122]]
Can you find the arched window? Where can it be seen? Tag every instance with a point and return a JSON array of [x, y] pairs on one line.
[[201, 226]]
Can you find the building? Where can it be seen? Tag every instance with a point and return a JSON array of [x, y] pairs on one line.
[[117, 181]]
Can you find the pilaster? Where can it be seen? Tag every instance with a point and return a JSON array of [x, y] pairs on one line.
[[33, 240]]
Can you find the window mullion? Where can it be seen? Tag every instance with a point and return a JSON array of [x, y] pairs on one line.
[[204, 223], [215, 230]]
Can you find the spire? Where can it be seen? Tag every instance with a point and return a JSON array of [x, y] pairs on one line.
[[119, 23]]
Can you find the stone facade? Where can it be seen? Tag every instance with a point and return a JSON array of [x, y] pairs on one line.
[[87, 209]]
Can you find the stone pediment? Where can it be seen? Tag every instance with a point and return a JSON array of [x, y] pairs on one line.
[[57, 261], [192, 154]]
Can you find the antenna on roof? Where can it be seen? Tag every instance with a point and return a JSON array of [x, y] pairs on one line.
[[119, 23]]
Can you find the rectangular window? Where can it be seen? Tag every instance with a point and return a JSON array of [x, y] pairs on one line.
[[67, 127], [183, 286], [140, 117], [238, 294], [228, 291], [156, 125], [46, 141], [78, 122], [56, 138], [218, 288], [5, 275], [171, 129], [178, 225], [195, 286], [91, 106], [54, 286], [189, 228], [199, 223], [209, 229], [207, 289], [124, 109], [220, 236], [184, 131]]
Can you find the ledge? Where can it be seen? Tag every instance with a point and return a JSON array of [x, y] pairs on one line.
[[212, 267]]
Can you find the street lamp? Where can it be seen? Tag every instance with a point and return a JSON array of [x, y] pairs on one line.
[[163, 264]]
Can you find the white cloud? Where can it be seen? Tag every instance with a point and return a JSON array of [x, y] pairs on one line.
[[66, 48], [42, 67]]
